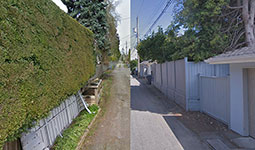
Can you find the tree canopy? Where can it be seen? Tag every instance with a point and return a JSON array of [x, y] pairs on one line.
[[202, 29], [97, 16]]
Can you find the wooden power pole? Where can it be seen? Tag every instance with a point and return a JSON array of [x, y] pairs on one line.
[[137, 34], [126, 48]]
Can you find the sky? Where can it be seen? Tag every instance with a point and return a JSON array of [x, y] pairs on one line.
[[128, 10], [123, 28], [60, 4], [147, 12]]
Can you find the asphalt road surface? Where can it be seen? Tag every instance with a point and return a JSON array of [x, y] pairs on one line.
[[154, 123]]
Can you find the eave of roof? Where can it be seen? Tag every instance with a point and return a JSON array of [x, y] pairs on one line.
[[242, 55], [232, 59]]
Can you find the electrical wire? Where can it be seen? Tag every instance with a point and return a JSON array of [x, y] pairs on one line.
[[161, 14], [155, 12]]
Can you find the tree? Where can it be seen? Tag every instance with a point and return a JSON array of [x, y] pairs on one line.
[[112, 19], [133, 65], [203, 24], [100, 17], [242, 13], [93, 15], [235, 20], [210, 27], [248, 12], [151, 48]]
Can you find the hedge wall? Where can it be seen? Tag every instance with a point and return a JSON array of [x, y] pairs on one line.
[[45, 56]]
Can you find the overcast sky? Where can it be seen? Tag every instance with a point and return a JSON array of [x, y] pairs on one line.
[[123, 9]]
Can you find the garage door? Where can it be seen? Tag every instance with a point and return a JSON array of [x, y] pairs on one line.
[[251, 95]]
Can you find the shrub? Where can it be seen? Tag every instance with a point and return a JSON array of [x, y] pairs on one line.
[[133, 64], [45, 56]]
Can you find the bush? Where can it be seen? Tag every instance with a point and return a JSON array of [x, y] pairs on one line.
[[133, 65], [45, 56]]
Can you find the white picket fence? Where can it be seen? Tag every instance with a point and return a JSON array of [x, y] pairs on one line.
[[43, 135]]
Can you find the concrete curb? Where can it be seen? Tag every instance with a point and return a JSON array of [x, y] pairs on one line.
[[87, 131]]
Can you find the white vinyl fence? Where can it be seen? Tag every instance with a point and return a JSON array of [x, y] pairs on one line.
[[44, 134], [179, 80], [215, 97]]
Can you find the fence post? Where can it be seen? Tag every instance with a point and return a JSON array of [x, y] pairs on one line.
[[200, 91], [67, 112], [174, 80], [167, 79], [186, 83], [161, 80], [47, 132]]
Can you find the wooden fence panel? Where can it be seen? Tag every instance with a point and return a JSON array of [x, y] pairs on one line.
[[14, 145]]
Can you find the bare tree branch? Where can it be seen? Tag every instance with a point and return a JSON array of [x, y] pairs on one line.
[[237, 7], [239, 45], [229, 13], [238, 37]]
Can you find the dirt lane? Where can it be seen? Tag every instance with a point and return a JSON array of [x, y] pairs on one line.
[[112, 130]]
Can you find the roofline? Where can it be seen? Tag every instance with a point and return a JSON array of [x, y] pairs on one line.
[[231, 60]]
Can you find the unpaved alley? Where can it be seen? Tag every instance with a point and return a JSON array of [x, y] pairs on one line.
[[112, 130]]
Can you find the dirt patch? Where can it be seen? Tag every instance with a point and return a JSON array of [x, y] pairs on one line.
[[199, 122]]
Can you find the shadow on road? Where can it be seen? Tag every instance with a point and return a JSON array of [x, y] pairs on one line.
[[145, 97], [191, 129]]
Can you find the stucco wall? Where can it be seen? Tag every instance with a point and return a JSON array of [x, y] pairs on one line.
[[238, 99]]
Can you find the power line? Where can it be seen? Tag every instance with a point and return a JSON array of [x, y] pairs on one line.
[[166, 7], [123, 44], [154, 13], [126, 37], [161, 14], [125, 18]]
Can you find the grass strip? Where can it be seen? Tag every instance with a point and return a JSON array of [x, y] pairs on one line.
[[72, 135]]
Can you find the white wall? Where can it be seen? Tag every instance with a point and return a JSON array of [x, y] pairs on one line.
[[215, 97], [238, 99]]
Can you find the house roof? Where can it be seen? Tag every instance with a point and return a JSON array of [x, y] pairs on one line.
[[242, 55]]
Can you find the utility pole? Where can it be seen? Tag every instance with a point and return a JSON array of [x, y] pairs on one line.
[[126, 48], [123, 51], [137, 34]]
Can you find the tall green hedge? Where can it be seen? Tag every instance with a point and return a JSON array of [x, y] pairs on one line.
[[45, 56]]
